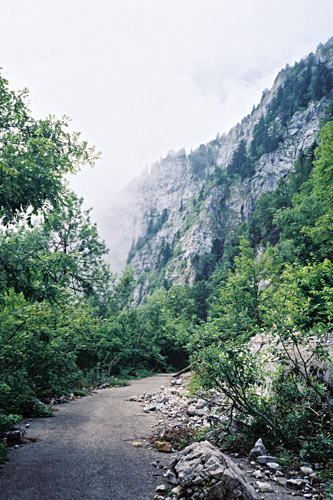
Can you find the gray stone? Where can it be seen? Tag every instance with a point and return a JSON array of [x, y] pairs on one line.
[[205, 472], [265, 459], [273, 466], [170, 477], [258, 450], [191, 410], [264, 487], [162, 488], [14, 436], [306, 470], [296, 484]]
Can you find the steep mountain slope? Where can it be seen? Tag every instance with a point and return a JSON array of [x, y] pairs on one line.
[[172, 222]]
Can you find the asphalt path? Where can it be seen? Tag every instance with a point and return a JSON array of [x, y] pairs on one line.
[[86, 452]]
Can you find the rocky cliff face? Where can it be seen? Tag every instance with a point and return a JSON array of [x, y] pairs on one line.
[[187, 206]]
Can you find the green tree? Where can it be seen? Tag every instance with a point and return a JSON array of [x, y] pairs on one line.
[[322, 193], [307, 224], [35, 155], [238, 309]]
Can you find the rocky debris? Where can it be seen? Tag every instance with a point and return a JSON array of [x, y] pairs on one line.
[[163, 446], [13, 437], [203, 472], [306, 470], [172, 405], [176, 411], [273, 466], [137, 444], [162, 488], [264, 487], [258, 450], [58, 400], [297, 484]]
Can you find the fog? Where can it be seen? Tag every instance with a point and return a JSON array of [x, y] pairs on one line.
[[142, 77]]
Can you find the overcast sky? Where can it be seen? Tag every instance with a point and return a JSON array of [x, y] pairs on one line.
[[141, 77]]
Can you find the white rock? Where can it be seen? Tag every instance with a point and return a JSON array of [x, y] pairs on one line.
[[306, 470], [264, 487], [162, 488]]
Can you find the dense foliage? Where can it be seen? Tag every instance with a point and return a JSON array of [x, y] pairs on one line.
[[268, 336], [65, 320]]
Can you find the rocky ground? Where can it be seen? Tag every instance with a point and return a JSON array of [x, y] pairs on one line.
[[179, 415]]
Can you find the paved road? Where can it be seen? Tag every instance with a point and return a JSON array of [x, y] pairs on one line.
[[86, 452]]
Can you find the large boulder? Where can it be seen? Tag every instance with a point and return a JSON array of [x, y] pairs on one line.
[[258, 450], [204, 472]]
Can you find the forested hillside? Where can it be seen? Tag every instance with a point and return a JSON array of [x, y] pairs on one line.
[[67, 323], [175, 221]]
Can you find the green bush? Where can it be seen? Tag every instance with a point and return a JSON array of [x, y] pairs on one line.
[[7, 422]]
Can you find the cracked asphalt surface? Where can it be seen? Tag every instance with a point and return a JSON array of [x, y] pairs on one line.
[[86, 452]]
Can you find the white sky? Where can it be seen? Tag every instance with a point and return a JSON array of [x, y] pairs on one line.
[[141, 77]]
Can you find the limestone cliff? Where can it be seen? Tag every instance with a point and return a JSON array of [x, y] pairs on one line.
[[186, 207]]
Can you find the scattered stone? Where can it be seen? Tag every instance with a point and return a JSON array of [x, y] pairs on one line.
[[273, 466], [258, 450], [204, 472], [280, 480], [306, 470], [162, 488], [170, 477], [177, 490], [296, 484], [264, 487], [191, 410], [14, 436], [137, 444], [200, 480], [163, 446]]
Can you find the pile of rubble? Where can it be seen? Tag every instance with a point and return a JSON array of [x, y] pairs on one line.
[[201, 471], [305, 481], [178, 409]]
